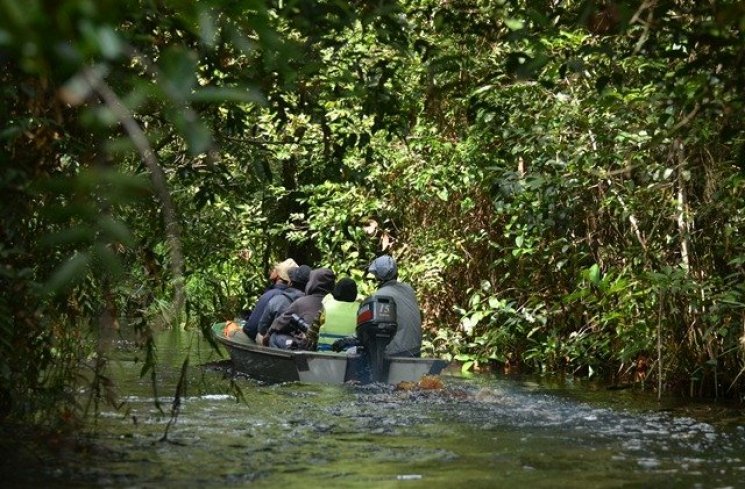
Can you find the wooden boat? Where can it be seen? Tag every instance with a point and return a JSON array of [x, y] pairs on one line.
[[275, 365]]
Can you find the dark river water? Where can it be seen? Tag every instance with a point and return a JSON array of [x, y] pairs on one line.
[[473, 433]]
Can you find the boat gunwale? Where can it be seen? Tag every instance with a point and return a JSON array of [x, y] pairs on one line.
[[266, 350], [292, 354]]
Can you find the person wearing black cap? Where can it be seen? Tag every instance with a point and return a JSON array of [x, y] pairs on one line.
[[279, 303], [408, 339], [339, 317]]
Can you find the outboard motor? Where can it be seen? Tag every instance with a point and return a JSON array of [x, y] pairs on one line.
[[376, 326]]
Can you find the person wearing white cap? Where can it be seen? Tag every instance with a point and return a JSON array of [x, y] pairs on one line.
[[299, 277], [279, 280], [408, 339]]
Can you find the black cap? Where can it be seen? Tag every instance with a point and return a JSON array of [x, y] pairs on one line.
[[299, 276], [345, 290]]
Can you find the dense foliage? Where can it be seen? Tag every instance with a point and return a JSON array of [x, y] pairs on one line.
[[561, 181]]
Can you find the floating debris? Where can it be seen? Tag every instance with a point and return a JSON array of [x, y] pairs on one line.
[[428, 382], [409, 477]]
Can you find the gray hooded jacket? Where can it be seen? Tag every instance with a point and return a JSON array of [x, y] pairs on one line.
[[408, 338], [309, 306], [277, 306]]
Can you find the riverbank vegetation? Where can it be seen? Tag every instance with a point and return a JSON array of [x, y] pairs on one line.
[[561, 181]]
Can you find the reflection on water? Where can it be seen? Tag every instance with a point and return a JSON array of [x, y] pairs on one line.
[[478, 433]]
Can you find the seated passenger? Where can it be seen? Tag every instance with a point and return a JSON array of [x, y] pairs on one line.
[[279, 303], [339, 317], [289, 330], [408, 339], [279, 279]]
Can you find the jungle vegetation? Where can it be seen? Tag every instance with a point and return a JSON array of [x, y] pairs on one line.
[[561, 181]]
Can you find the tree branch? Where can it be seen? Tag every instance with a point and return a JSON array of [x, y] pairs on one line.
[[158, 178]]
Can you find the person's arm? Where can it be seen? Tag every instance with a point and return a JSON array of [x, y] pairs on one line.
[[270, 313], [281, 323], [253, 319], [314, 330]]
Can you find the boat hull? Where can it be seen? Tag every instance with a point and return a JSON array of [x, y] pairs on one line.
[[275, 365]]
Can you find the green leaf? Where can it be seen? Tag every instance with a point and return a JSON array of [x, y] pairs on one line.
[[17, 12], [197, 135], [514, 24], [109, 42], [5, 37], [467, 366], [116, 231], [107, 263], [482, 89], [178, 68], [594, 274], [207, 28], [70, 273], [10, 132], [76, 235], [476, 317], [227, 94]]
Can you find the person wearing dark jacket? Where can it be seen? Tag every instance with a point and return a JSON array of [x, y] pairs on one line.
[[279, 278], [299, 277], [286, 331]]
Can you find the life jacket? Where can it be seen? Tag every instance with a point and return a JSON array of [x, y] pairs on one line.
[[340, 321]]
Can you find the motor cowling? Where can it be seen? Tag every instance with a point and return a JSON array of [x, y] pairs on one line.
[[376, 327]]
